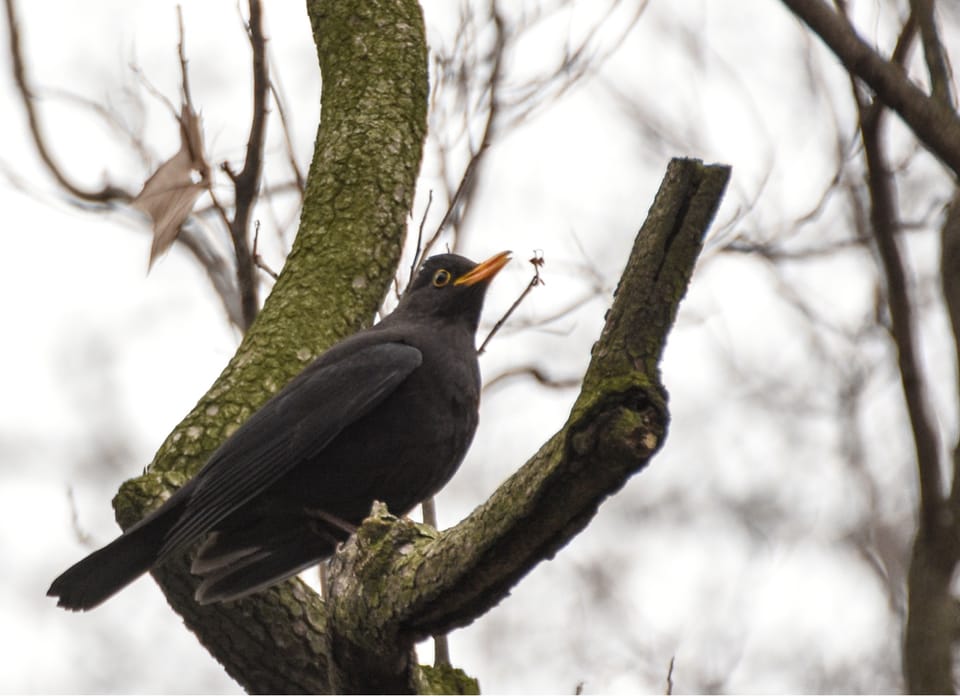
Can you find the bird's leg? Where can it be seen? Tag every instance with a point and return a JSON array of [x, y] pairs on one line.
[[332, 520], [322, 574], [329, 521]]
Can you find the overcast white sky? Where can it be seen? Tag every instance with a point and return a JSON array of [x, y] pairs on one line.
[[100, 359]]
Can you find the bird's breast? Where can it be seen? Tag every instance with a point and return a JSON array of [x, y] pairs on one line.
[[404, 450]]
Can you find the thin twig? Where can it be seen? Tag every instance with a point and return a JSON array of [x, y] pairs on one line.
[[416, 253], [153, 90], [280, 102], [246, 182], [82, 535], [111, 118], [211, 261], [257, 259], [537, 374], [950, 284], [934, 123], [884, 220], [578, 62], [441, 646], [182, 54], [670, 676], [933, 51], [458, 204], [105, 195], [199, 161], [536, 262]]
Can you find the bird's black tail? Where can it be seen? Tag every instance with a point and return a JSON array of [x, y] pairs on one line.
[[108, 570], [242, 562]]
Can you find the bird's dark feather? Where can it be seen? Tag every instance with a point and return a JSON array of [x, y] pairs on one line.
[[342, 386], [387, 414]]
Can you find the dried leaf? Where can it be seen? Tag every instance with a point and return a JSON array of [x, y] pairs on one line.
[[169, 194]]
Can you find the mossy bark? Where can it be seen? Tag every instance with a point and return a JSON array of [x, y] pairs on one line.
[[373, 61], [395, 581]]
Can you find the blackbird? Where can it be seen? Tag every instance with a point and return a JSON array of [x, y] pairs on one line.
[[386, 414]]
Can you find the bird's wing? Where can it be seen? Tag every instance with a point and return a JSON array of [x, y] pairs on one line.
[[298, 422]]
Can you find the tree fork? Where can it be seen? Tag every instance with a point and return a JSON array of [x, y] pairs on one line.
[[396, 582], [347, 249]]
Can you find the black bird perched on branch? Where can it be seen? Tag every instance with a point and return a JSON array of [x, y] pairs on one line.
[[387, 414]]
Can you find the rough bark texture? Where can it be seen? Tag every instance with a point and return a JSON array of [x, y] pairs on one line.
[[396, 581], [374, 65], [407, 581]]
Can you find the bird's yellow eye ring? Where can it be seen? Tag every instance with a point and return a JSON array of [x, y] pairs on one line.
[[441, 278]]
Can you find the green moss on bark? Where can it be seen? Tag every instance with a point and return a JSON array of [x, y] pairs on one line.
[[359, 193], [444, 679]]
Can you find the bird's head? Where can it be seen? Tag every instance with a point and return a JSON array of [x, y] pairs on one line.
[[451, 286]]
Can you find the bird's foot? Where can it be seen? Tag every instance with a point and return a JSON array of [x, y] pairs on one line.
[[332, 520]]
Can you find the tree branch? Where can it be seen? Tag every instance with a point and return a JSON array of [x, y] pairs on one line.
[[933, 51], [536, 373], [950, 279], [407, 581], [458, 203], [928, 647], [397, 581], [885, 226], [247, 182], [209, 259], [108, 193], [934, 123]]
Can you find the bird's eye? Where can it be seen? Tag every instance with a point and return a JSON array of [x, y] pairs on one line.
[[441, 278]]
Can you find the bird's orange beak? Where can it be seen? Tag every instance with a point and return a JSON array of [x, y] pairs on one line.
[[485, 270]]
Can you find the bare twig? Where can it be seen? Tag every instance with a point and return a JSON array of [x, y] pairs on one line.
[[441, 646], [561, 313], [257, 259], [950, 281], [933, 50], [670, 676], [110, 117], [82, 535], [108, 193], [928, 648], [458, 202], [247, 181], [182, 54], [280, 102], [536, 262], [416, 253], [153, 90], [537, 374], [934, 123], [578, 62], [885, 225], [206, 255]]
